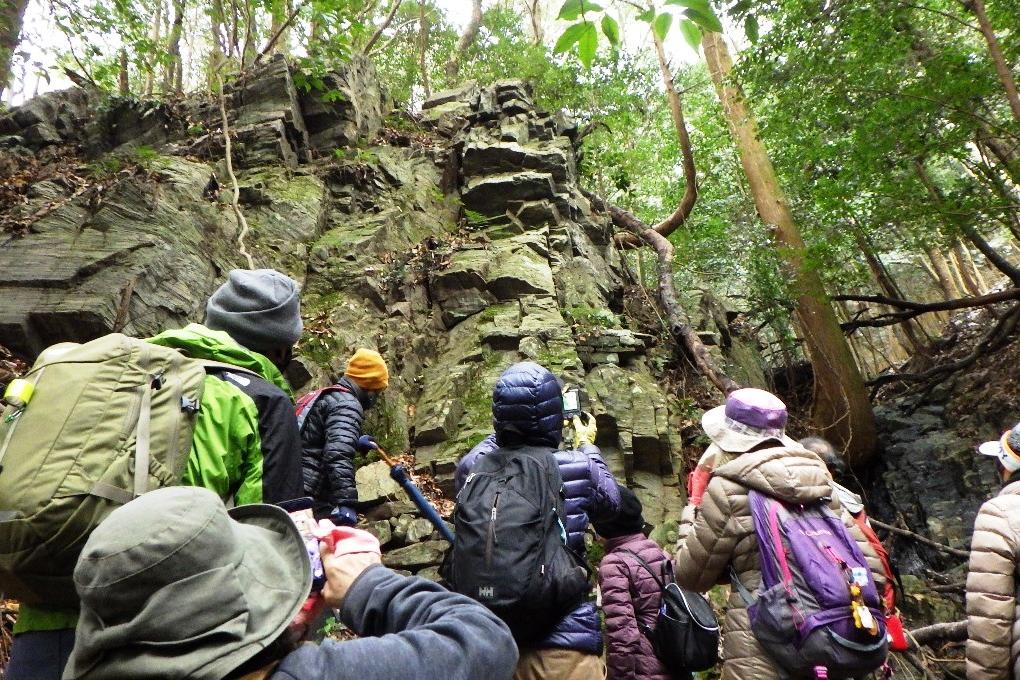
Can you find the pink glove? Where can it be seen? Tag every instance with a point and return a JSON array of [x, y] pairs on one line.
[[346, 540]]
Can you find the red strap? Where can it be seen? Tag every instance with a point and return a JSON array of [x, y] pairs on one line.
[[889, 593], [305, 401]]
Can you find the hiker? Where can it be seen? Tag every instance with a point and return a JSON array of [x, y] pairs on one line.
[[527, 414], [244, 445], [754, 463], [631, 595], [993, 622], [174, 585], [331, 434]]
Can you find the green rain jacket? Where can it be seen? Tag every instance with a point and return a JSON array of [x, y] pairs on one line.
[[245, 444]]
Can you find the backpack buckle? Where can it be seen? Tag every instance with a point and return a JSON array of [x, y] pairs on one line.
[[189, 405]]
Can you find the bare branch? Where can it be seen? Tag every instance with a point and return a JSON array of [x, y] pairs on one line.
[[678, 324], [385, 24], [956, 552], [954, 631]]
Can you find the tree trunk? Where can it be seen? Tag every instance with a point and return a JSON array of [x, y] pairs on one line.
[[216, 26], [535, 20], [966, 228], [12, 15], [173, 47], [961, 258], [248, 50], [911, 329], [281, 10], [423, 45], [945, 277], [467, 38], [686, 205], [155, 34], [382, 27], [123, 82], [841, 407], [998, 59]]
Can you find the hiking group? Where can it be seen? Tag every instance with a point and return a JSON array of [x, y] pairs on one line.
[[167, 512]]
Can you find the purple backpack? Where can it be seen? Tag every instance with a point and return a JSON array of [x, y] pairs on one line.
[[818, 607]]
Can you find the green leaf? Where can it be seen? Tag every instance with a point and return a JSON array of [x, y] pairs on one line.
[[611, 29], [570, 36], [647, 16], [661, 25], [709, 21], [751, 28], [572, 9], [692, 34], [587, 44]]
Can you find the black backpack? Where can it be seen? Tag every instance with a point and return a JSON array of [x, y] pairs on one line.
[[686, 633], [510, 552]]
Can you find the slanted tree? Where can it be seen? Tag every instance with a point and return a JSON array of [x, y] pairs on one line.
[[467, 39], [841, 406]]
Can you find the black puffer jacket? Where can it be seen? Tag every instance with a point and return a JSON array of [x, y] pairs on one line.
[[329, 441]]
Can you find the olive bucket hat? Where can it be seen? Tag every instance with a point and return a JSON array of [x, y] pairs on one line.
[[173, 585]]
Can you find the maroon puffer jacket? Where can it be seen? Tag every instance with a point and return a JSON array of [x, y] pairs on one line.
[[630, 595]]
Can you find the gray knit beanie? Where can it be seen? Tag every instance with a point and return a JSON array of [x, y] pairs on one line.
[[259, 308]]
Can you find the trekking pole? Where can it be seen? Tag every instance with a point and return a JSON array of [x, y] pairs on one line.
[[399, 474]]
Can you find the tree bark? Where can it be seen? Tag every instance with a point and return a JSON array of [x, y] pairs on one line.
[[534, 8], [216, 26], [841, 409], [123, 81], [955, 631], [686, 205], [963, 264], [423, 44], [173, 48], [248, 50], [281, 12], [998, 59], [467, 38], [154, 35], [12, 16]]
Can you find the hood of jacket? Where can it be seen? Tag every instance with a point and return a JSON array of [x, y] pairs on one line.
[[527, 407], [199, 342], [794, 475]]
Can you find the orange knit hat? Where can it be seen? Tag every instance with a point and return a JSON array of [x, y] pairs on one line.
[[368, 370]]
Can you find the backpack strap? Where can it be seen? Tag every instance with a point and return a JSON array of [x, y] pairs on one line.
[[647, 567], [142, 451], [305, 403], [741, 589]]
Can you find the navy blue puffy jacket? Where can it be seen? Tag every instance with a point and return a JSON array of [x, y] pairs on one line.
[[527, 408]]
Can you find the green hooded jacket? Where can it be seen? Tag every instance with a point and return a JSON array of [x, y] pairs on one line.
[[245, 444]]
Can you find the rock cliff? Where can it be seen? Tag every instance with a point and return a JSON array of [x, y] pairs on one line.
[[455, 245]]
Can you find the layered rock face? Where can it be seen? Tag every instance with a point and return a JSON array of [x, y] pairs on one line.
[[455, 249]]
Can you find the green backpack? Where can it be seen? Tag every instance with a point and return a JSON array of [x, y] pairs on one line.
[[107, 421]]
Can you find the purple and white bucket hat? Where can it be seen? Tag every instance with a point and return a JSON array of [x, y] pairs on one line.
[[749, 417]]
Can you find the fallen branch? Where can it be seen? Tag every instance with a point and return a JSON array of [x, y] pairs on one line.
[[954, 631], [911, 309], [956, 552], [241, 221], [678, 325]]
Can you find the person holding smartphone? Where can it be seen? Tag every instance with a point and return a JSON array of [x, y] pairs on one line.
[[174, 585]]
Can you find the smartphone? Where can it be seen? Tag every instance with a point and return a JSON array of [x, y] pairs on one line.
[[571, 402]]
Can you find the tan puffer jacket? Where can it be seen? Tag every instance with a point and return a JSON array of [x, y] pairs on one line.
[[993, 617], [722, 534]]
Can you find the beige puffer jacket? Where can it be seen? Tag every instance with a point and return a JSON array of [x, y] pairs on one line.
[[722, 534], [993, 617]]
